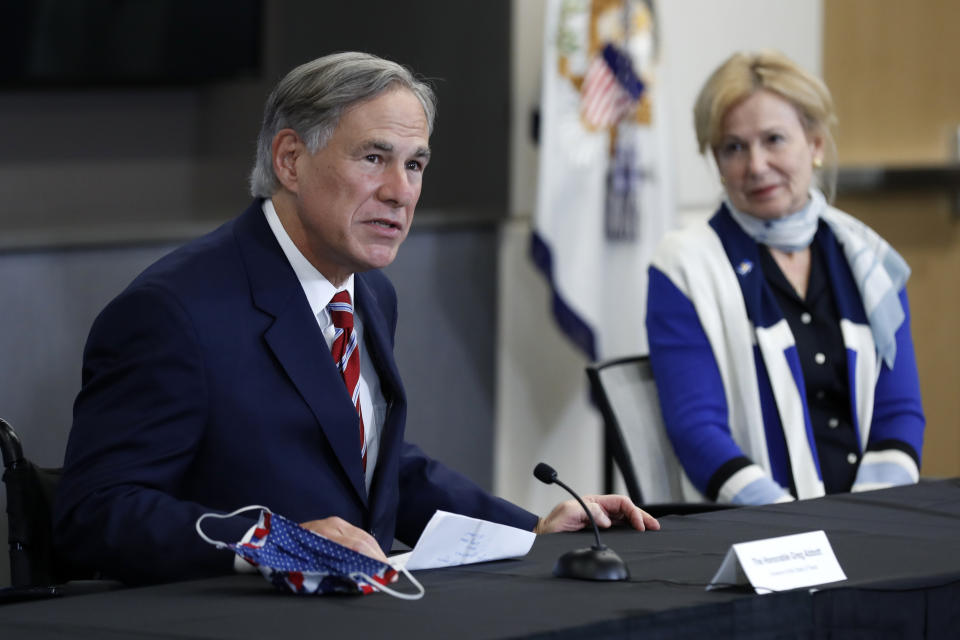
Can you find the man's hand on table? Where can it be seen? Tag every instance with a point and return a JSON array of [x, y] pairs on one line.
[[606, 510]]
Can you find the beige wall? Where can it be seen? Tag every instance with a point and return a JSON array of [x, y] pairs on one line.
[[891, 67]]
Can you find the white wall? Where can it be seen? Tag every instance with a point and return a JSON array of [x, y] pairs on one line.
[[697, 36], [543, 412]]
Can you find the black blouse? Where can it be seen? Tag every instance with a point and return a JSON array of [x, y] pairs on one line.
[[815, 324]]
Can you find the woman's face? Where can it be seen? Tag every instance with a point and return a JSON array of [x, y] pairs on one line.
[[765, 156]]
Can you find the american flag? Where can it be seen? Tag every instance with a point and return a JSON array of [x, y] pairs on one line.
[[610, 89]]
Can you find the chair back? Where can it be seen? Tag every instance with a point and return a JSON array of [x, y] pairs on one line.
[[30, 494], [634, 436]]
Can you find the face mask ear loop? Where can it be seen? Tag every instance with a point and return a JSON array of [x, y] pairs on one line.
[[223, 516], [391, 592]]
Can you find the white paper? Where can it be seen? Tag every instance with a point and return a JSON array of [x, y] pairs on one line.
[[450, 539], [778, 564]]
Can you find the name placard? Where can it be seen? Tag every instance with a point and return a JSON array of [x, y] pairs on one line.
[[779, 564]]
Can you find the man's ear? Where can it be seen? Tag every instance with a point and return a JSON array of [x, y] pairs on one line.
[[287, 148]]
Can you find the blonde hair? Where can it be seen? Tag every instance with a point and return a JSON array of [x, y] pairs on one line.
[[745, 73]]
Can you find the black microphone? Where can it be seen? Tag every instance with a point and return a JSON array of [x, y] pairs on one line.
[[598, 562]]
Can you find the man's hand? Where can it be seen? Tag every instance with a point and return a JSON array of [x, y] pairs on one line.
[[344, 533], [569, 516]]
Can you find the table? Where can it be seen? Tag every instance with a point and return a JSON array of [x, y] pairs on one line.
[[900, 549]]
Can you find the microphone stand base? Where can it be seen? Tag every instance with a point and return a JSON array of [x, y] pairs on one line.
[[592, 563]]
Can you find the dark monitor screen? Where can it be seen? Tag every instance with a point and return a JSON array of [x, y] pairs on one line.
[[46, 43]]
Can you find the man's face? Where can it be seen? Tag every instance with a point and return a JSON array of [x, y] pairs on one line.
[[356, 196]]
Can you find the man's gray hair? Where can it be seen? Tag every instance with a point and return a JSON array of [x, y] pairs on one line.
[[311, 98]]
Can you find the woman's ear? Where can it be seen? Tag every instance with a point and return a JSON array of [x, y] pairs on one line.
[[816, 148]]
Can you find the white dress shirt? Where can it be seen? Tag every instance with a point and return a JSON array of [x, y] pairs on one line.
[[319, 292]]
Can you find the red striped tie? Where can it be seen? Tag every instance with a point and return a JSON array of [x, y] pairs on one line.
[[346, 354]]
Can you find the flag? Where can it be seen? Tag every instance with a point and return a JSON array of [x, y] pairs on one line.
[[603, 192], [610, 89]]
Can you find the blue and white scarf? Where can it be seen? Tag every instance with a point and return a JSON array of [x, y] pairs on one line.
[[879, 271]]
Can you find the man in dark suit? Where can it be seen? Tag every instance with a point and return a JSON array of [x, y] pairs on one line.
[[210, 382]]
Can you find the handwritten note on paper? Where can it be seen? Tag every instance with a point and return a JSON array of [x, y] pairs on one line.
[[450, 539]]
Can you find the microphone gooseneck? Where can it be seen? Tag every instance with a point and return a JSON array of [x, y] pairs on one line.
[[598, 562], [546, 474]]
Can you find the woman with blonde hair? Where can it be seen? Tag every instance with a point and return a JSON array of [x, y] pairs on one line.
[[779, 330]]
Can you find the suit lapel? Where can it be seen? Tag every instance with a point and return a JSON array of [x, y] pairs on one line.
[[378, 337], [378, 342], [297, 342]]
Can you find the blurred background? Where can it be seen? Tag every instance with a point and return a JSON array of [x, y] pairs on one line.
[[128, 127]]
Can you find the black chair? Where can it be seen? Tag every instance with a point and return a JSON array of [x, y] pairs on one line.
[[30, 492], [635, 441]]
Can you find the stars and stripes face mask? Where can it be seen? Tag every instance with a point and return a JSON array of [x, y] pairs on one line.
[[296, 559]]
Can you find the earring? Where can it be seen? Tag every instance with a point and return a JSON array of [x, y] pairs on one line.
[[817, 162]]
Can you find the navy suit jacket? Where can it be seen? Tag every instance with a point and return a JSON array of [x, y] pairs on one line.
[[208, 386]]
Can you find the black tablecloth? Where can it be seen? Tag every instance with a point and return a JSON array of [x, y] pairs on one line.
[[900, 549]]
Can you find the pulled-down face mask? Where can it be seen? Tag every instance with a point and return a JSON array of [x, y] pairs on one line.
[[296, 559]]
